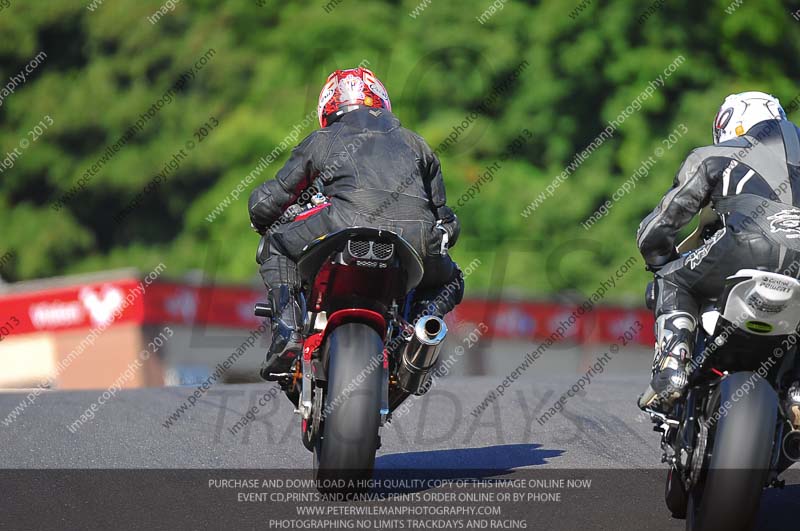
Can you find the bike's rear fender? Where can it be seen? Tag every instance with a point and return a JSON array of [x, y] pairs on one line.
[[374, 320], [356, 315]]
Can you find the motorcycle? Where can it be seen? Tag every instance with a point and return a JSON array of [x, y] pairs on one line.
[[361, 357], [735, 430]]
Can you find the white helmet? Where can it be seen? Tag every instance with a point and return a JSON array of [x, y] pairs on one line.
[[740, 112]]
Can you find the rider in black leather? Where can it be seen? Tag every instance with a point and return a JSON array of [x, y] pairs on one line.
[[376, 174], [751, 179]]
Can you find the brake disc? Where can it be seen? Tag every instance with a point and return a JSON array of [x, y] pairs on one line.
[[699, 454], [316, 412]]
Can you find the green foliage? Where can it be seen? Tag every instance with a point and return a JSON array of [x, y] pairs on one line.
[[104, 68]]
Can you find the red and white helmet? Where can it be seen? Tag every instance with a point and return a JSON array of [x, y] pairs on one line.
[[740, 112], [348, 90]]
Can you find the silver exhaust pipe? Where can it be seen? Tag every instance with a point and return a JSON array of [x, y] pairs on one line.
[[421, 354], [791, 445]]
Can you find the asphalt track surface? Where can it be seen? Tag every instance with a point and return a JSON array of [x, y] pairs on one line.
[[599, 433]]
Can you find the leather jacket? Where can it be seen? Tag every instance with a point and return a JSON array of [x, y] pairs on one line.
[[365, 161]]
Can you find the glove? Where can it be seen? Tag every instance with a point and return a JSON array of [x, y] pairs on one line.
[[660, 261], [448, 222], [445, 238]]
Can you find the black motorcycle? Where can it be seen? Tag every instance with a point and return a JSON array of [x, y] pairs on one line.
[[735, 431]]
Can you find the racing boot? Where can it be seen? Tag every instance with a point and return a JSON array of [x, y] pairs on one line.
[[675, 334], [792, 405], [439, 301], [287, 341]]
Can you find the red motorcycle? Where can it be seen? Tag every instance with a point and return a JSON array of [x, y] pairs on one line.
[[361, 357]]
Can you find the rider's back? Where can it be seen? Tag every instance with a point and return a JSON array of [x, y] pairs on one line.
[[764, 162], [735, 177], [371, 162]]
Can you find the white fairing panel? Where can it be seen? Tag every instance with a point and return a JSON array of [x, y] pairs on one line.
[[765, 304], [709, 320]]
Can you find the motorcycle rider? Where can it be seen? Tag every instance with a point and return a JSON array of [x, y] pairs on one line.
[[755, 156], [375, 173]]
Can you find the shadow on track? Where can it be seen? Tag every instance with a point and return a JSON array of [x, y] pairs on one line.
[[465, 460], [461, 463]]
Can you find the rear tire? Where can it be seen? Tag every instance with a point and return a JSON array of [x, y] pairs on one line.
[[739, 463], [346, 450], [675, 494]]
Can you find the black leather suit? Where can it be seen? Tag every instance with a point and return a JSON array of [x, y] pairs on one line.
[[376, 174], [753, 184]]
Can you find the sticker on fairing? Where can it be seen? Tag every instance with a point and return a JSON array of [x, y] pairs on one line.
[[756, 302], [775, 284], [759, 327]]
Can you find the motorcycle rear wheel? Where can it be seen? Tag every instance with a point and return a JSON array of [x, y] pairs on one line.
[[345, 453], [729, 495], [675, 494]]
